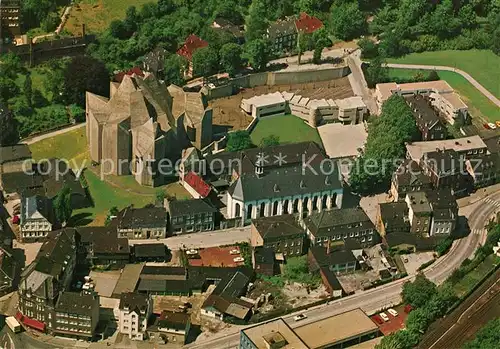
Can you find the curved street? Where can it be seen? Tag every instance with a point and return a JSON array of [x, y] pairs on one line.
[[466, 75], [387, 295]]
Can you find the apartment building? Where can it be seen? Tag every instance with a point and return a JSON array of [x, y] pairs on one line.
[[142, 223], [37, 218], [135, 311], [10, 18], [187, 216], [419, 212]]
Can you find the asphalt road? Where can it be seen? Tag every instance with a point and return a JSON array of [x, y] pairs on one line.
[[373, 300], [204, 239]]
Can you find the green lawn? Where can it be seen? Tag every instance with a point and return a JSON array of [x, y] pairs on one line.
[[70, 146], [472, 278], [37, 80], [482, 65], [405, 73], [98, 14], [289, 129]]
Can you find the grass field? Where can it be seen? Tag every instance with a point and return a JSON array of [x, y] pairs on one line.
[[289, 129], [98, 14], [472, 278], [37, 81], [479, 105], [482, 65]]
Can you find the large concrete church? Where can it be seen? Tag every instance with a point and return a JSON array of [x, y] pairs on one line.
[[142, 123]]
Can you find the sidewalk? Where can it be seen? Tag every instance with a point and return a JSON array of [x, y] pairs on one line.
[[479, 195]]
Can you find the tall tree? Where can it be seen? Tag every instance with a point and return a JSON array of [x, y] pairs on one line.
[[205, 61], [257, 53], [173, 70], [256, 21], [62, 205], [238, 140], [230, 58], [84, 74], [347, 21], [269, 141], [28, 90], [9, 133], [487, 338], [419, 292]]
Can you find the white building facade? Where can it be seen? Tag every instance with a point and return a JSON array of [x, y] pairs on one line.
[[135, 311]]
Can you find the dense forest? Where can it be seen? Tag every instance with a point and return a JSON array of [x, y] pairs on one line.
[[402, 26]]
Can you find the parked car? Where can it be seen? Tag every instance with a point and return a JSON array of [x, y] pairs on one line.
[[384, 316], [405, 259], [378, 320], [239, 259], [486, 126], [191, 252], [392, 312], [492, 125], [408, 308], [300, 317], [234, 252]]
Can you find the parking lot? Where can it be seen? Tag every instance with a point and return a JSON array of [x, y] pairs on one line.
[[415, 260], [216, 257], [394, 323]]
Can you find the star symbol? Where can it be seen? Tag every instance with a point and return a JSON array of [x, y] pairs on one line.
[[262, 159], [280, 159]]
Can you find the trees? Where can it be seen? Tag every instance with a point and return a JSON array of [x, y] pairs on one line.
[[487, 338], [375, 72], [173, 70], [418, 292], [28, 89], [77, 112], [269, 141], [35, 11], [238, 140], [368, 48], [256, 21], [347, 21], [402, 339], [230, 58], [257, 53], [418, 320], [9, 133], [51, 22], [62, 205], [84, 74], [385, 147], [205, 61], [318, 49]]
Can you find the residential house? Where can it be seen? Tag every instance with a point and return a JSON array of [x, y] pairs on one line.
[[466, 147], [144, 126], [37, 218], [173, 327], [393, 217], [45, 278], [187, 50], [283, 234], [336, 257], [19, 184], [12, 158], [440, 93], [8, 271], [135, 311], [154, 62], [76, 315], [446, 169], [282, 179], [195, 185], [225, 299], [340, 224], [283, 36], [428, 121], [237, 31], [142, 223], [149, 252], [101, 246], [444, 211], [56, 175], [263, 261], [410, 243], [10, 19], [484, 170], [419, 212], [409, 178], [192, 215], [307, 24]]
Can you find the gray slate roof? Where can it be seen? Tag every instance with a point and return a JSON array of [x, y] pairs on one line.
[[185, 207], [330, 222], [77, 303], [278, 226]]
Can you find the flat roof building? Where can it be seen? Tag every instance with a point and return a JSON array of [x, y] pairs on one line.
[[343, 141], [467, 146], [343, 330], [272, 334]]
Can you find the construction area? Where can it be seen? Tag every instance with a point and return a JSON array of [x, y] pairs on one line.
[[227, 112]]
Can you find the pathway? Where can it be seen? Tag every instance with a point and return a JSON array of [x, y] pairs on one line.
[[39, 138], [469, 78], [60, 27]]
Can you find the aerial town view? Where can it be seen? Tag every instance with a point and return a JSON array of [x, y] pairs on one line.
[[254, 174]]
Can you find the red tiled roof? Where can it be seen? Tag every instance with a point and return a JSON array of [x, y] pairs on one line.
[[308, 24], [191, 44], [37, 325], [198, 184], [135, 70]]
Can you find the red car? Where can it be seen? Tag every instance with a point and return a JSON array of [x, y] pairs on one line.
[[378, 319], [408, 308], [486, 126]]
